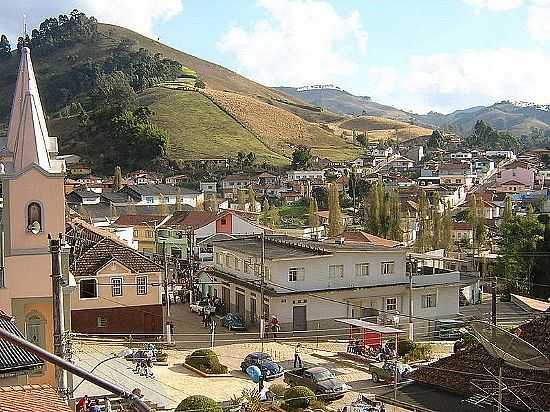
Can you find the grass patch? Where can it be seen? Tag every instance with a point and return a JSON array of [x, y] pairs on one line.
[[293, 215]]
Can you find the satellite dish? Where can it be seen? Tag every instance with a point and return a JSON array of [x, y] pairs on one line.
[[34, 227], [509, 348]]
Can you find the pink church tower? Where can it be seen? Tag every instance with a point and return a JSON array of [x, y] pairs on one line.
[[34, 206]]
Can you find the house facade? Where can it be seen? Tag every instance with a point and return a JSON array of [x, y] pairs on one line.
[[309, 283], [157, 194], [517, 171], [118, 289]]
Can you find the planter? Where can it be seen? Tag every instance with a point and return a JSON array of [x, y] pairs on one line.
[[205, 375]]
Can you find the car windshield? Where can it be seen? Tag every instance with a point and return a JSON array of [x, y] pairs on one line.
[[323, 376]]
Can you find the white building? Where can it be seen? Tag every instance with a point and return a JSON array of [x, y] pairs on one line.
[[296, 175], [308, 284], [155, 194]]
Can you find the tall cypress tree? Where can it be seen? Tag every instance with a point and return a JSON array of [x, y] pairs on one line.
[[423, 241], [508, 210], [335, 226], [5, 48], [395, 232], [251, 200], [373, 210], [117, 179], [313, 218], [446, 228], [436, 222]]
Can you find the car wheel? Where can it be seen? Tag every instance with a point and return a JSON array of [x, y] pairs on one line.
[[375, 378]]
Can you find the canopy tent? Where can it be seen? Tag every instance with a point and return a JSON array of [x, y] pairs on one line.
[[372, 333]]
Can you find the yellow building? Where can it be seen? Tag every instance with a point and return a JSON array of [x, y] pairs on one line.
[[144, 227], [34, 206]]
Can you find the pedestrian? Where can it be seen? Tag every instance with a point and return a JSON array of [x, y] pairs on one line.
[[94, 407], [107, 403], [297, 357], [82, 405], [275, 326], [149, 368]]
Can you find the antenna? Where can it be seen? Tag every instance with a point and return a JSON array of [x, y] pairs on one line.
[[508, 349]]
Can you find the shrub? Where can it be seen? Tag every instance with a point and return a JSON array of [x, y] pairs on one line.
[[405, 346], [278, 389], [419, 351], [198, 403], [206, 361], [298, 397]]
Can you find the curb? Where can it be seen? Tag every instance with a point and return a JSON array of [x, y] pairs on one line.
[[205, 375]]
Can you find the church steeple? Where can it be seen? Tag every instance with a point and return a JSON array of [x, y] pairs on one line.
[[28, 139]]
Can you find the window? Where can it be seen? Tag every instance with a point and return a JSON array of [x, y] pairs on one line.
[[336, 271], [149, 234], [267, 273], [246, 266], [238, 264], [391, 304], [176, 253], [88, 288], [296, 274], [34, 217], [35, 329], [387, 268], [101, 322], [136, 233], [362, 269], [429, 300], [141, 282], [219, 258], [116, 286], [223, 221], [150, 199], [230, 261]]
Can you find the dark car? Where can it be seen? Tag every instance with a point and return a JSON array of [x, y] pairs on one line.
[[234, 321], [320, 380], [270, 369]]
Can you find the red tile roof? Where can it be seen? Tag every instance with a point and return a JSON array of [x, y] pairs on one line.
[[462, 226], [192, 219], [31, 398], [139, 220]]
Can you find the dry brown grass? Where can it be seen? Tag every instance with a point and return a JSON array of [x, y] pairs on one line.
[[379, 128]]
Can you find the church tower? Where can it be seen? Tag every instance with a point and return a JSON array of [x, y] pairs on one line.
[[34, 206]]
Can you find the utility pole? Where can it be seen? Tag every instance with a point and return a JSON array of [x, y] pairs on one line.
[[58, 314], [494, 301], [262, 280], [191, 241], [165, 284], [411, 323]]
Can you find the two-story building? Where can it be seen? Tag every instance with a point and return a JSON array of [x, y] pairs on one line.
[[518, 171], [308, 284], [156, 194], [296, 175], [118, 289], [456, 173], [144, 230]]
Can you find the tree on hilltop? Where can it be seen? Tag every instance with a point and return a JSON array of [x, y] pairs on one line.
[[5, 48]]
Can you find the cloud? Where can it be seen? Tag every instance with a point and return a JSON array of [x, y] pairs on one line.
[[445, 82], [138, 15], [299, 42], [494, 5], [538, 16]]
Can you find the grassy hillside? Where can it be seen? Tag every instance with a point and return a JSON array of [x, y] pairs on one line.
[[379, 128], [199, 128]]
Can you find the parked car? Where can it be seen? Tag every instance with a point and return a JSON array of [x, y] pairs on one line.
[[270, 369], [234, 321], [319, 380], [385, 371], [202, 307]]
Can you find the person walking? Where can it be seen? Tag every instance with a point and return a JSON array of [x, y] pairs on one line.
[[297, 357], [275, 327], [82, 404], [107, 403]]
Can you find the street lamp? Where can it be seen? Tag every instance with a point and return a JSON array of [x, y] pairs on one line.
[[122, 354]]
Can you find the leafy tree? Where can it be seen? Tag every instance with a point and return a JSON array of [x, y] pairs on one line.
[[117, 179], [301, 158], [335, 226], [485, 137], [5, 48], [395, 231], [373, 210], [517, 243], [312, 217], [363, 140], [113, 92], [265, 205], [541, 274], [199, 84], [436, 140], [321, 196], [241, 199]]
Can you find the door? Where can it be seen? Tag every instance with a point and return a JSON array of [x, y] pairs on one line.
[[226, 299], [299, 320], [147, 323], [253, 315], [240, 304]]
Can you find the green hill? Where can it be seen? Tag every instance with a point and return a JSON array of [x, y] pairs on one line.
[[199, 124]]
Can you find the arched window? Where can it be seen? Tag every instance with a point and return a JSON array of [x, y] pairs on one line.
[[34, 217]]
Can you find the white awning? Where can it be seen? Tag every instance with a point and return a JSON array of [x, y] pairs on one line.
[[385, 330]]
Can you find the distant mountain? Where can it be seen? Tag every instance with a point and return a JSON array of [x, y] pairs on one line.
[[337, 100], [518, 118]]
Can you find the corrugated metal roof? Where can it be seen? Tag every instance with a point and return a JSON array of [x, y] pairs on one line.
[[14, 358]]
